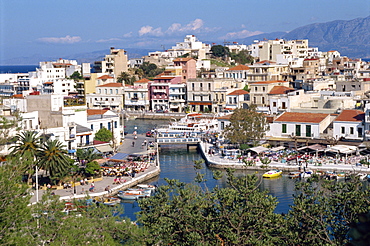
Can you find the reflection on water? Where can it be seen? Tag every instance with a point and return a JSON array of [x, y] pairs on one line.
[[177, 163]]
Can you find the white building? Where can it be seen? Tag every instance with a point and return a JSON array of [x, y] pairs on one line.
[[349, 125], [107, 96]]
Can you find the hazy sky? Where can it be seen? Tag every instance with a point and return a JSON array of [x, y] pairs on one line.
[[65, 27]]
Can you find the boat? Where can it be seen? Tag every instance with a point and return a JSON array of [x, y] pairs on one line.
[[294, 175], [306, 174], [341, 175], [147, 186], [362, 176], [108, 201], [134, 194], [272, 174], [330, 175]]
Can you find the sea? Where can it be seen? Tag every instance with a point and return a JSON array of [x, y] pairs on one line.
[[17, 68]]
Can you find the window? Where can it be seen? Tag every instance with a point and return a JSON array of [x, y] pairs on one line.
[[92, 127], [111, 91], [298, 130], [109, 126], [263, 88], [351, 130], [274, 104], [101, 125], [342, 130], [283, 105], [192, 86], [115, 124], [308, 130], [283, 128], [359, 132], [222, 125]]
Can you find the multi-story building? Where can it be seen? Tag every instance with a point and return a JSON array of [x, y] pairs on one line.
[[108, 96], [187, 68], [177, 96], [259, 91], [208, 95], [239, 72], [349, 125], [237, 99], [159, 92], [113, 64], [267, 70], [137, 96]]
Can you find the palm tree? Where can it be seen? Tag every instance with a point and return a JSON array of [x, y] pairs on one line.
[[26, 142], [88, 154], [27, 147], [53, 158]]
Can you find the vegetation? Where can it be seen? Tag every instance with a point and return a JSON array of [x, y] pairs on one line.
[[246, 126], [324, 213], [242, 57], [88, 154], [219, 63], [104, 135], [76, 76], [220, 51], [6, 126]]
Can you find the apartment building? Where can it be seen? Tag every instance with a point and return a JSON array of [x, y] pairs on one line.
[[137, 96], [113, 64]]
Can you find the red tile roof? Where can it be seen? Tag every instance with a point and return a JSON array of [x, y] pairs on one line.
[[238, 68], [268, 82], [238, 92], [351, 115], [105, 77], [96, 111], [111, 85], [17, 96], [144, 80], [301, 117], [279, 89], [182, 59], [265, 61]]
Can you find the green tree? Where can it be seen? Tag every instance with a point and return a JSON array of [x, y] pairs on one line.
[[220, 51], [27, 147], [124, 78], [54, 159], [242, 57], [88, 154], [104, 135], [183, 214], [323, 211], [76, 76], [92, 167], [246, 125]]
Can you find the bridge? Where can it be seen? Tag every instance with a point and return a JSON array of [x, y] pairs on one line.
[[190, 141]]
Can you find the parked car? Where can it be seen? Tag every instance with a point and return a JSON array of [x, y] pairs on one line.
[[149, 134]]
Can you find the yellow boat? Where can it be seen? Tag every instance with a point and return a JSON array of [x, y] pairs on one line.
[[272, 174]]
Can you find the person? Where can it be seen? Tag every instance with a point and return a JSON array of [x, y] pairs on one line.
[[49, 186], [86, 182], [133, 144]]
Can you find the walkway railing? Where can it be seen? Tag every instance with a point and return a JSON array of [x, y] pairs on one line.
[[178, 140]]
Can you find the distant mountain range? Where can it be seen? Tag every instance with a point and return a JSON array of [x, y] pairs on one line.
[[351, 38]]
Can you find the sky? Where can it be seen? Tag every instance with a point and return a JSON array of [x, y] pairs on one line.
[[66, 27]]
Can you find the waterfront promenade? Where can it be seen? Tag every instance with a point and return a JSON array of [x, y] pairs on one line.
[[101, 183], [218, 161]]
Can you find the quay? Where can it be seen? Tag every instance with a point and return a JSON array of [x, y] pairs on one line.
[[218, 161], [82, 191]]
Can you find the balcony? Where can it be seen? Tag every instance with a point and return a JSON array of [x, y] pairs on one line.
[[134, 99], [69, 137], [159, 90]]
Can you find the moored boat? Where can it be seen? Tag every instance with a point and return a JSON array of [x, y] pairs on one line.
[[362, 176], [147, 186], [294, 175], [306, 174], [341, 175], [272, 174]]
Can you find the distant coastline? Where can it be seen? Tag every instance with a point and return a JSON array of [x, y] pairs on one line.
[[17, 68]]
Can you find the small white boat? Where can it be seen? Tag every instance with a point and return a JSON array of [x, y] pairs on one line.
[[362, 176], [134, 194], [306, 174], [147, 186]]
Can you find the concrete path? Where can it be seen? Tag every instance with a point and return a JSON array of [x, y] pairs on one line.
[[82, 190]]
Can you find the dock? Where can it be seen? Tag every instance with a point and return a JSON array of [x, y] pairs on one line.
[[82, 191]]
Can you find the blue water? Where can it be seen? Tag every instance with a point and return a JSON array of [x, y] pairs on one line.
[[177, 163], [18, 69]]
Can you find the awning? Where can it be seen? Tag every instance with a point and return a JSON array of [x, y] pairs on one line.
[[71, 151], [200, 103], [119, 156], [104, 148], [258, 149], [342, 149], [278, 148]]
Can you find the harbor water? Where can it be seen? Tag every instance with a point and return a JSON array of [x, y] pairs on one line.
[[178, 163]]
